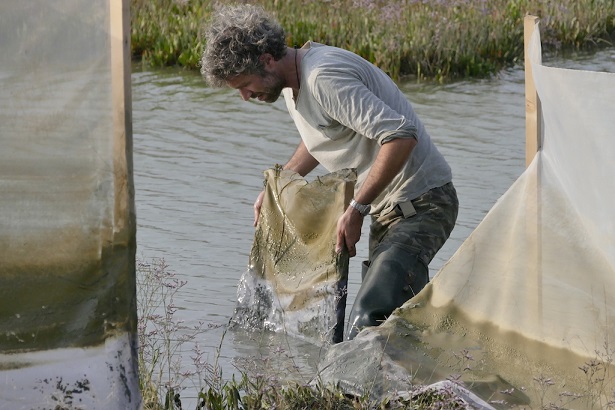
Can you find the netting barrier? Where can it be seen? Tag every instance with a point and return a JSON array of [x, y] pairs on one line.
[[542, 262], [531, 292], [67, 220]]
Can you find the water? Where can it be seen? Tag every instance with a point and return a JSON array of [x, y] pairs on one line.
[[199, 155]]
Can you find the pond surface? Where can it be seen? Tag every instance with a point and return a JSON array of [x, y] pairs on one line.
[[199, 157]]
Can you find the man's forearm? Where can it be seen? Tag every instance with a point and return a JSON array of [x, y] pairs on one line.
[[302, 162], [390, 160]]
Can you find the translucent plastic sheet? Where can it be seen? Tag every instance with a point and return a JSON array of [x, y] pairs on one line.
[[523, 313], [67, 222], [296, 283], [542, 263]]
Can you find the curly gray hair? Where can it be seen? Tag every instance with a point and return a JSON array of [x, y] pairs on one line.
[[235, 39]]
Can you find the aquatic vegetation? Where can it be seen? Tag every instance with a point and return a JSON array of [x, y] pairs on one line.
[[427, 39], [166, 32], [162, 337], [264, 383]]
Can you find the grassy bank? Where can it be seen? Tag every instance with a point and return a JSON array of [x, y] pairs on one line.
[[427, 39]]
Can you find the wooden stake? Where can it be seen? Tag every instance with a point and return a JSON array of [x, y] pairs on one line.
[[532, 102], [533, 213], [124, 213]]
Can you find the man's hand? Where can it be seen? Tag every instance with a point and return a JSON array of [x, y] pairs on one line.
[[349, 231], [257, 206]]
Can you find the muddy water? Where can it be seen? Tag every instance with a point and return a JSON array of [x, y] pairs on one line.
[[199, 155]]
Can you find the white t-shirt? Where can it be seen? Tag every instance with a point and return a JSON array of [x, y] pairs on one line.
[[347, 108]]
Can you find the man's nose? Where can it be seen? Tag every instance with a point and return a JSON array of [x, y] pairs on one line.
[[245, 94]]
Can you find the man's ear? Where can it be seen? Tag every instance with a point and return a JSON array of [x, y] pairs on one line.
[[266, 59]]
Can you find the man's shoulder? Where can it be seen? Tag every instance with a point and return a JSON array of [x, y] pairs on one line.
[[323, 60], [319, 49], [313, 44]]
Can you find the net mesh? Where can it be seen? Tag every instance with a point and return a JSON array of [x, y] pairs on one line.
[[67, 237], [296, 283], [545, 251]]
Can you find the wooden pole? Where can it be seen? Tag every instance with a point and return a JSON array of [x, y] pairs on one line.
[[533, 131], [124, 214], [532, 102]]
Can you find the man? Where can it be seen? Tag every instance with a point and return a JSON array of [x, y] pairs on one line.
[[350, 114]]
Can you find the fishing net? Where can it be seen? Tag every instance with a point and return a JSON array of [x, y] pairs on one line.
[[67, 222], [295, 282]]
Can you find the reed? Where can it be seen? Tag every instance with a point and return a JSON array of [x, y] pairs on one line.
[[426, 39], [162, 338]]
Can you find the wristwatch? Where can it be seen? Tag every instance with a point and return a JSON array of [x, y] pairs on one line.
[[363, 209]]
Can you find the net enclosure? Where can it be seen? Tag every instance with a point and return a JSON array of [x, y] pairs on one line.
[[542, 262], [67, 220]]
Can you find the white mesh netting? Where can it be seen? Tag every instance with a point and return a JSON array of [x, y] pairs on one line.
[[542, 262], [67, 222]]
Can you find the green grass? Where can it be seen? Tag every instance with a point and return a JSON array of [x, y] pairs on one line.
[[426, 39], [258, 393]]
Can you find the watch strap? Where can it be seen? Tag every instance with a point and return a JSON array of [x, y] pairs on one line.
[[362, 208]]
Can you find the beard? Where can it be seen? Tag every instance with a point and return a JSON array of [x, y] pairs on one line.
[[272, 90]]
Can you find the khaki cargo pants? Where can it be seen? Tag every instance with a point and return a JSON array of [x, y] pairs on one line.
[[402, 243]]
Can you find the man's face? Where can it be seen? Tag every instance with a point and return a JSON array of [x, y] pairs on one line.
[[264, 87]]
